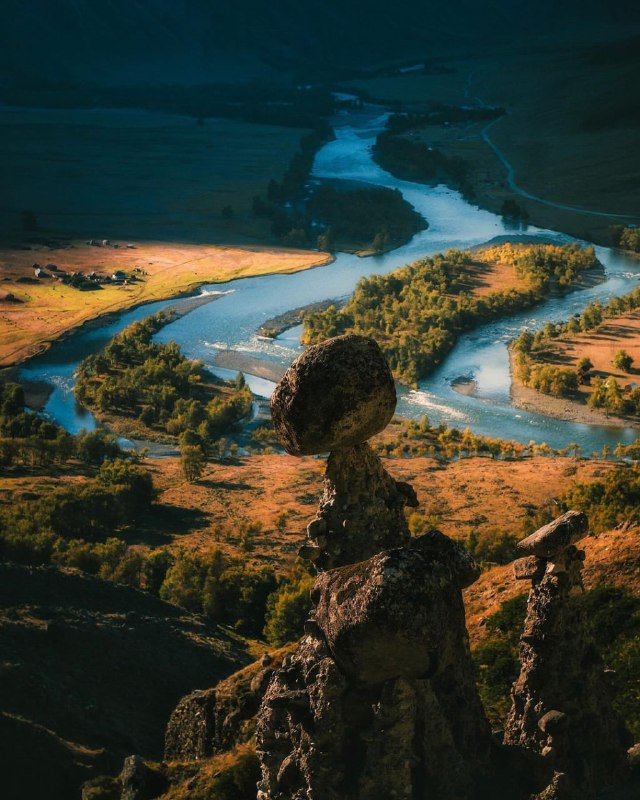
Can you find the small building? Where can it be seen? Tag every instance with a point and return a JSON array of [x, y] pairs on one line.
[[118, 275], [40, 273]]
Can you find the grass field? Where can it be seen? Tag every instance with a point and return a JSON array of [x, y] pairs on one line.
[[600, 345], [481, 494], [109, 173], [45, 309], [569, 132]]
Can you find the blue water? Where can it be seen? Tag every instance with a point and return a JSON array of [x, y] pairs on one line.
[[232, 320]]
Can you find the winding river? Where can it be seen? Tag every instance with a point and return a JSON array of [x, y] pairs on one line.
[[232, 320]]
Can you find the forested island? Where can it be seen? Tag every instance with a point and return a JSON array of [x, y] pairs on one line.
[[159, 390], [369, 219], [417, 313]]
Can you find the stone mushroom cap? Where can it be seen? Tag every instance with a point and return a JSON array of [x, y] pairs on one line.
[[336, 394], [556, 536]]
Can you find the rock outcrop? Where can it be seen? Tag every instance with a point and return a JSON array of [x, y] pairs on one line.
[[379, 699], [211, 721], [561, 700]]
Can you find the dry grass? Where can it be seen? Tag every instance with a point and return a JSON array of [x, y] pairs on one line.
[[282, 493], [600, 345], [47, 309], [612, 559]]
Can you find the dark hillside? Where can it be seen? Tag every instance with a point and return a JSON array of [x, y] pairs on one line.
[[199, 41], [90, 673]]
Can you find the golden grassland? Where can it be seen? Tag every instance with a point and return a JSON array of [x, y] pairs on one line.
[[46, 310], [600, 345], [568, 132], [611, 560], [282, 493], [480, 494]]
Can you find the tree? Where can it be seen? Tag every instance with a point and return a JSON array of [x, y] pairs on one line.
[[585, 365], [287, 610], [192, 461], [622, 360]]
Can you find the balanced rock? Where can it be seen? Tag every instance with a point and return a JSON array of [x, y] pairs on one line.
[[556, 536], [398, 614], [336, 394]]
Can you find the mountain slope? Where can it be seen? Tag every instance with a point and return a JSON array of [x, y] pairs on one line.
[[90, 673], [157, 41]]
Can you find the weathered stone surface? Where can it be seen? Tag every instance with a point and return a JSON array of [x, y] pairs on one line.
[[556, 536], [336, 394], [361, 511], [211, 721], [561, 701], [140, 782], [192, 728], [322, 735], [399, 614], [552, 722], [528, 567]]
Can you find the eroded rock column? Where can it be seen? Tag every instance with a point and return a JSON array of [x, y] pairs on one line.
[[379, 700], [561, 700]]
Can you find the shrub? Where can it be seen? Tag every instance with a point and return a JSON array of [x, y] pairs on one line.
[[287, 611]]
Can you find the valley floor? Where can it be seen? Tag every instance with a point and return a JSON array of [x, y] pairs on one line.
[[38, 311]]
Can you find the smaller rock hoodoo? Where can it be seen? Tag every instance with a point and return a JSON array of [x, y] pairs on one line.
[[562, 706]]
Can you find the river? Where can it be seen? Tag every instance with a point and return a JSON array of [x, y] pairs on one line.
[[243, 305]]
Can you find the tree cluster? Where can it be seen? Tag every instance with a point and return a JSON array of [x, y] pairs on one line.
[[606, 393], [415, 161], [158, 385], [626, 237], [376, 217], [417, 313]]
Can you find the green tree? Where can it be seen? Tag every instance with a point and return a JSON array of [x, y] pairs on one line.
[[622, 360], [287, 610], [192, 461]]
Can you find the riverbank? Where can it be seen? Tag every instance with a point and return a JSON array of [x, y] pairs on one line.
[[559, 407], [557, 152], [43, 310], [276, 325]]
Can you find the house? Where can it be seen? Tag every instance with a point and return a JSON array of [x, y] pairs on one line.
[[118, 275], [40, 273]]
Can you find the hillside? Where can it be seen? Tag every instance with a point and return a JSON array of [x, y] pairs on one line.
[[90, 672], [156, 41]]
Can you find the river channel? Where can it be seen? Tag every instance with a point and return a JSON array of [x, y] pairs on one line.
[[232, 320]]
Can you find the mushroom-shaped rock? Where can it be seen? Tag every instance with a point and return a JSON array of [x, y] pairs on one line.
[[398, 614], [335, 395], [556, 536]]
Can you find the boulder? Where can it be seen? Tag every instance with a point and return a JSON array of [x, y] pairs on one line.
[[139, 781], [528, 567], [556, 536], [398, 614], [335, 395]]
